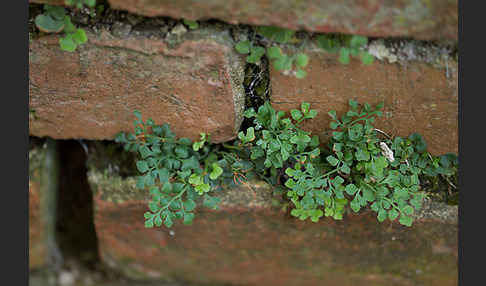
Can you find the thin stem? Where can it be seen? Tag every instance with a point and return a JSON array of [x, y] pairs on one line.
[[382, 132], [232, 147], [173, 199]]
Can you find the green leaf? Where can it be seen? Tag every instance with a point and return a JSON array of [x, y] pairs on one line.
[[392, 214], [153, 206], [355, 205], [334, 125], [344, 56], [197, 145], [351, 189], [405, 220], [67, 43], [277, 34], [202, 188], [188, 217], [181, 152], [191, 24], [211, 202], [144, 151], [301, 60], [168, 221], [274, 52], [332, 113], [296, 114], [79, 36], [256, 52], [243, 47], [408, 210], [195, 179], [300, 74], [189, 205], [312, 113], [158, 221], [332, 160], [216, 172], [345, 169], [90, 3], [142, 166], [250, 135], [68, 25], [283, 63], [358, 41], [366, 58], [382, 214], [190, 164], [362, 155], [148, 215], [328, 44], [149, 223], [305, 107], [163, 175]]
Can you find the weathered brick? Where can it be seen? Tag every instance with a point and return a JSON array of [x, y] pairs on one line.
[[418, 97], [193, 83], [39, 211], [252, 241], [427, 20]]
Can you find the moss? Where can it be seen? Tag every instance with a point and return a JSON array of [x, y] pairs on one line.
[[36, 156]]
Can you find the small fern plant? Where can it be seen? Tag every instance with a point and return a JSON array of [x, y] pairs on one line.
[[359, 167], [175, 171]]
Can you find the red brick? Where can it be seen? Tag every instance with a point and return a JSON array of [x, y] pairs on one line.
[[195, 86], [426, 20], [418, 97], [251, 241]]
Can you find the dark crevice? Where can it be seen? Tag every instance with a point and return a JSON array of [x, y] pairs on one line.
[[75, 221], [257, 88]]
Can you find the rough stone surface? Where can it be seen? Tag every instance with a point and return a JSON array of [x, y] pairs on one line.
[[420, 19], [193, 82], [427, 20], [252, 241], [418, 97], [37, 227]]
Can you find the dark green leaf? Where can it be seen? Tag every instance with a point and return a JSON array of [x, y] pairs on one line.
[[332, 160], [189, 205], [163, 175], [142, 166], [351, 189], [243, 47]]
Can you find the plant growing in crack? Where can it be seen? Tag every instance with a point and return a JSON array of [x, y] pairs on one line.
[[360, 167], [280, 60], [347, 46], [55, 20]]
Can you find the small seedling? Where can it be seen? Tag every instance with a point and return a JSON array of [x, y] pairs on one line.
[[347, 46], [280, 60], [55, 20]]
